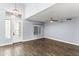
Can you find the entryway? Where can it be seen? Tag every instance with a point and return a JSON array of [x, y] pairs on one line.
[[13, 29]]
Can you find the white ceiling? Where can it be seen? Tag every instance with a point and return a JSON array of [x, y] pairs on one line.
[[34, 8], [57, 11]]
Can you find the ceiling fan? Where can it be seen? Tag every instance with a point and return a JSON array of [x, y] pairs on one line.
[[52, 20], [63, 20]]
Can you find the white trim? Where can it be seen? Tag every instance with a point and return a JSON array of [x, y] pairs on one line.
[[30, 39], [62, 41], [6, 44], [9, 43]]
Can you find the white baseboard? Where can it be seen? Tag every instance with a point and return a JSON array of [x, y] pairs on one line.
[[3, 44], [62, 41], [9, 43]]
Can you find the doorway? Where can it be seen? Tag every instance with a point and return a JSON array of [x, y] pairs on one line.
[[13, 29]]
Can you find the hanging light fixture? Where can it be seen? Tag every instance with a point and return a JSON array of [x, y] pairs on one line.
[[16, 11]]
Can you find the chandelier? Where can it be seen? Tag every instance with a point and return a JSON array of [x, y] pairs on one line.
[[15, 11]]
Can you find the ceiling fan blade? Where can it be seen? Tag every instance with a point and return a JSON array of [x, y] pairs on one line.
[[55, 20]]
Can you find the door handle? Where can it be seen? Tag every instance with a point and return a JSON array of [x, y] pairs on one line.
[[13, 33]]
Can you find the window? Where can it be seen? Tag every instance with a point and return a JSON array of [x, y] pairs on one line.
[[7, 29], [37, 30]]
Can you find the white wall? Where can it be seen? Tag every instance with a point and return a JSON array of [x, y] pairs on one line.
[[77, 30], [28, 30], [33, 8], [2, 33], [66, 31], [30, 10]]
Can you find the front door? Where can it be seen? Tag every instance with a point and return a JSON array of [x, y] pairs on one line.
[[13, 27], [16, 31]]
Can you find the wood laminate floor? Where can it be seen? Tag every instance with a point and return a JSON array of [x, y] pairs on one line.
[[40, 47]]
